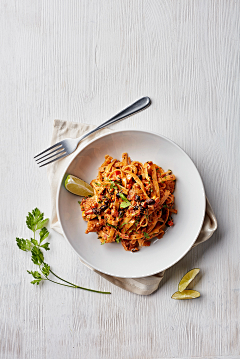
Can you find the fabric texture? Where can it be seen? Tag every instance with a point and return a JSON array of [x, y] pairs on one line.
[[55, 171]]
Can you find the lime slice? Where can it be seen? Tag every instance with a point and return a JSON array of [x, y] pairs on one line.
[[186, 294], [186, 280], [78, 186]]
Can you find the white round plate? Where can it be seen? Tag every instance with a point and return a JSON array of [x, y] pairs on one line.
[[190, 202]]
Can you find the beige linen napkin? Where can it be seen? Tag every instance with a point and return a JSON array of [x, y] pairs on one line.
[[142, 286]]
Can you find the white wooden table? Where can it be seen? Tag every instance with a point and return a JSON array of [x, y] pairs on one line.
[[83, 61]]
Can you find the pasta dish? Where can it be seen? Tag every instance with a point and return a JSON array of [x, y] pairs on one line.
[[132, 202]]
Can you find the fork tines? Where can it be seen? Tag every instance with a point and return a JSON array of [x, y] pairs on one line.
[[58, 150]]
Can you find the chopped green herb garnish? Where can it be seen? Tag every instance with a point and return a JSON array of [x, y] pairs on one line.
[[117, 238], [146, 235], [97, 184], [103, 242], [123, 224], [123, 197], [110, 225], [79, 202], [113, 185], [125, 202]]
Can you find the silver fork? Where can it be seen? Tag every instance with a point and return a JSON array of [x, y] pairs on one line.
[[69, 145]]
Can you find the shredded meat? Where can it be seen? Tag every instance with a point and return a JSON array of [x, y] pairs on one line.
[[130, 246], [93, 226], [88, 203]]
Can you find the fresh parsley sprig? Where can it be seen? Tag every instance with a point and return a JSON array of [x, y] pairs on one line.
[[36, 222]]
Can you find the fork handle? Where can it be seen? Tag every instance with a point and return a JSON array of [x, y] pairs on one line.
[[137, 106]]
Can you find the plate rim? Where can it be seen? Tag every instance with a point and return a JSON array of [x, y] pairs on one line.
[[95, 268]]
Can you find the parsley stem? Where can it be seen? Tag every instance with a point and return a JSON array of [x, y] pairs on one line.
[[92, 290], [60, 283], [46, 278], [61, 278], [76, 286]]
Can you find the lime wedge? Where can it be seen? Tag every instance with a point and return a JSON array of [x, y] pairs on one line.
[[186, 294], [186, 280], [78, 186]]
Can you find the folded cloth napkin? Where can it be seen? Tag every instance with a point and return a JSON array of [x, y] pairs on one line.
[[142, 286]]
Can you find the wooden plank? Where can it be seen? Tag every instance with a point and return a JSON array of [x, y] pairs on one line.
[[83, 61]]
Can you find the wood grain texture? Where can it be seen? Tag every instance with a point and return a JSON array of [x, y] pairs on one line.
[[83, 61]]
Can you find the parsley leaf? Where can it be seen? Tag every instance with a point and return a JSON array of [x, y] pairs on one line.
[[123, 197], [125, 204], [41, 224], [37, 276], [24, 244], [103, 242], [46, 269], [117, 239], [97, 184], [33, 219], [146, 235], [43, 234], [34, 242], [37, 256], [45, 246], [36, 281]]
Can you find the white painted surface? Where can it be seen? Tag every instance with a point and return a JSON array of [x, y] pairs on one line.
[[83, 61]]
